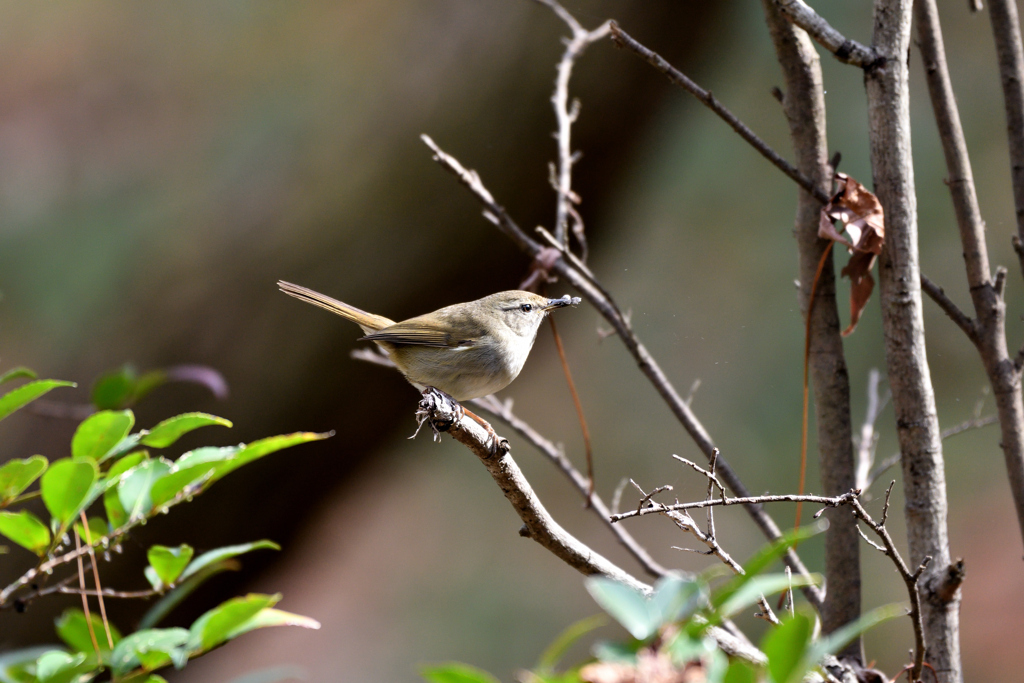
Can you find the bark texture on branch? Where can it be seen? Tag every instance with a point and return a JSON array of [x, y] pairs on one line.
[[913, 398], [989, 325], [804, 105], [845, 50], [1006, 30]]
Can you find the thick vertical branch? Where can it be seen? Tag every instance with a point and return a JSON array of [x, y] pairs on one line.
[[1006, 29], [913, 398], [804, 104], [986, 291]]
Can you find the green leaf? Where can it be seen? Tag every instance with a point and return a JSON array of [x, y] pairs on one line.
[[186, 586], [213, 627], [168, 563], [57, 666], [135, 486], [454, 672], [676, 597], [66, 486], [115, 389], [267, 617], [740, 672], [207, 455], [629, 607], [220, 554], [100, 433], [786, 645], [27, 393], [170, 430], [97, 529], [17, 373], [74, 630], [151, 649], [263, 447], [26, 530], [18, 666], [178, 479], [17, 475], [556, 650], [624, 653], [116, 514]]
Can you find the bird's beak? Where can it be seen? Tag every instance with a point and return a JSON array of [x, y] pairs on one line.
[[561, 303]]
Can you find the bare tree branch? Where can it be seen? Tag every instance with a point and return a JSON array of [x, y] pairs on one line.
[[986, 291], [654, 508], [804, 106], [648, 366], [938, 295], [503, 410], [1006, 30], [623, 39], [493, 452], [844, 49], [566, 116], [913, 395]]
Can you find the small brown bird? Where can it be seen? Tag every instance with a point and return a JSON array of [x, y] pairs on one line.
[[465, 350]]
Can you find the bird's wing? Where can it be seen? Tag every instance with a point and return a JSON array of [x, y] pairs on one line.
[[414, 332]]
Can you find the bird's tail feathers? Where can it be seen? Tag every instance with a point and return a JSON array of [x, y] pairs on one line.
[[368, 321]]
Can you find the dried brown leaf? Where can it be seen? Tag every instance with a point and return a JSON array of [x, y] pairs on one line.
[[863, 220]]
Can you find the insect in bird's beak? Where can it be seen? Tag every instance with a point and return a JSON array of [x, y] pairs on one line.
[[566, 300]]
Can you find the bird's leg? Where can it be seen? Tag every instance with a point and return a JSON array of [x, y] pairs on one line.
[[434, 401]]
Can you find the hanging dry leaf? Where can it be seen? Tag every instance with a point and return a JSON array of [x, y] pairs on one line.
[[863, 220]]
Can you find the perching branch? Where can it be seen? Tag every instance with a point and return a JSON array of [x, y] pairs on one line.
[[938, 295], [493, 451], [658, 508], [650, 368], [844, 49]]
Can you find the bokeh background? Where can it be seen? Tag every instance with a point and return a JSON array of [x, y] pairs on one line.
[[163, 164]]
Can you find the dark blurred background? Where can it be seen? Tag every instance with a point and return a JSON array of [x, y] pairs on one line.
[[163, 164]]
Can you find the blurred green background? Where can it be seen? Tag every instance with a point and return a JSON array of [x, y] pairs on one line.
[[163, 164]]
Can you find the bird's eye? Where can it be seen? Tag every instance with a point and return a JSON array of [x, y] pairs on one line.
[[526, 308]]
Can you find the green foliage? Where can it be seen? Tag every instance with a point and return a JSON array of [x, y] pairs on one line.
[[109, 461], [456, 673]]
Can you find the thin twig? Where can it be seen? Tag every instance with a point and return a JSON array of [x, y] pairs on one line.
[[96, 578], [845, 50], [566, 115], [658, 508], [587, 448], [85, 600], [623, 39], [868, 439], [962, 320]]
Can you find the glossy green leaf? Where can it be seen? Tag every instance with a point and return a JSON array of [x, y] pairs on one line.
[[19, 372], [153, 578], [74, 630], [116, 514], [26, 530], [220, 554], [557, 649], [66, 487], [627, 606], [151, 649], [170, 430], [27, 393], [135, 486], [97, 530], [676, 597], [207, 455], [57, 666], [786, 645], [100, 433], [186, 586], [17, 475], [168, 563], [178, 479], [264, 447], [213, 627], [454, 672], [268, 617]]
